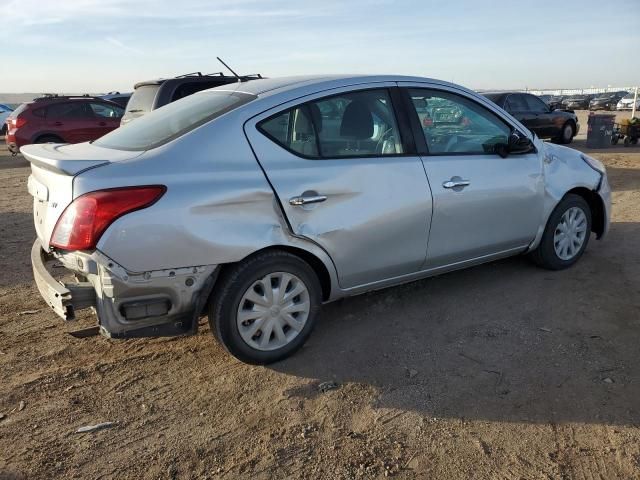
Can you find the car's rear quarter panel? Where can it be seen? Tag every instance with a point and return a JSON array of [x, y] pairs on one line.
[[218, 208]]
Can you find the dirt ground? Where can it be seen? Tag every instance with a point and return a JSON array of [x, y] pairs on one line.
[[502, 371]]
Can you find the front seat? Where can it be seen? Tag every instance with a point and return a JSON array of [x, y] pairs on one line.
[[356, 126]]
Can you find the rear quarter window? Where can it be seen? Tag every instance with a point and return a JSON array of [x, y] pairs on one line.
[[173, 120]]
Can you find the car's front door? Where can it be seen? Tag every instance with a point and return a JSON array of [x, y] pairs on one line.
[[106, 117], [516, 104], [544, 116], [348, 180], [483, 204]]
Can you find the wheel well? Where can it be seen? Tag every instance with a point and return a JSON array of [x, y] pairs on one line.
[[596, 206], [47, 135], [314, 262]]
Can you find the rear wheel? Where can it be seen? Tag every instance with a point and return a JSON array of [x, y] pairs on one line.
[[3, 129], [49, 139], [264, 308], [566, 234]]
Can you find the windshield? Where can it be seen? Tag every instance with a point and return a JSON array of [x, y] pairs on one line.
[[174, 120], [629, 96]]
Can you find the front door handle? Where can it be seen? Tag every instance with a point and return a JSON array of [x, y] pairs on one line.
[[305, 199], [456, 182]]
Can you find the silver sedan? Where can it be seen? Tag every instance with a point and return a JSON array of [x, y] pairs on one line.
[[257, 202]]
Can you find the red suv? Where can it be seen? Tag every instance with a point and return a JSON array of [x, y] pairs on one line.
[[58, 119]]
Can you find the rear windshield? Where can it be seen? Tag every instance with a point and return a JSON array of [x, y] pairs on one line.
[[174, 120], [21, 108], [142, 99]]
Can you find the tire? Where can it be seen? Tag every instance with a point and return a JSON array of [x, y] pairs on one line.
[[3, 130], [547, 255], [49, 139], [567, 133], [246, 278]]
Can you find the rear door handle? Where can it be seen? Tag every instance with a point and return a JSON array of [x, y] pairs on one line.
[[305, 199], [58, 124], [102, 124], [454, 182]]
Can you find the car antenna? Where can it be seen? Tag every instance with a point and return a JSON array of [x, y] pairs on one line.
[[229, 68]]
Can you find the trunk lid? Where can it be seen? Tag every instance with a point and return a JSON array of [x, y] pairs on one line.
[[53, 168]]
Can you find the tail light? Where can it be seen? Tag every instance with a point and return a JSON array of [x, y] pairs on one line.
[[85, 220], [17, 121]]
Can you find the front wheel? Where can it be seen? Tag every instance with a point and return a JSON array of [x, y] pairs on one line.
[[264, 308], [567, 133], [566, 234]]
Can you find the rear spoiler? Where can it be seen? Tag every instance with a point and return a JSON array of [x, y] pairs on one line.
[[71, 160]]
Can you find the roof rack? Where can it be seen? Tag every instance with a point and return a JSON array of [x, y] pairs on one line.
[[47, 96]]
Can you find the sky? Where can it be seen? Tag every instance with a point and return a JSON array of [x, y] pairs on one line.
[[105, 45]]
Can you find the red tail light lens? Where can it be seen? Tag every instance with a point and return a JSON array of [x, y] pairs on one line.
[[84, 221], [18, 122]]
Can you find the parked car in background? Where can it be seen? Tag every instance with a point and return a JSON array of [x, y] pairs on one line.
[[605, 101], [153, 94], [555, 102], [545, 98], [626, 102], [5, 111], [537, 116], [117, 97], [577, 102], [293, 192], [61, 119]]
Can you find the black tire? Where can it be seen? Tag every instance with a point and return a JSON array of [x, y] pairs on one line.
[[231, 287], [545, 255], [48, 139], [566, 136], [3, 130]]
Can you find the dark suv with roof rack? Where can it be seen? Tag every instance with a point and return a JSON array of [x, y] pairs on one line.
[[153, 94], [61, 119]]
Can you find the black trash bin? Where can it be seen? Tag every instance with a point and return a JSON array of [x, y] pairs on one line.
[[600, 130]]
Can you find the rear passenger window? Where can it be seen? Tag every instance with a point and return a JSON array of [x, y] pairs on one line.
[[357, 124], [69, 111]]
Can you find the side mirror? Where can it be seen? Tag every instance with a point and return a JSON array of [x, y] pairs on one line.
[[517, 143]]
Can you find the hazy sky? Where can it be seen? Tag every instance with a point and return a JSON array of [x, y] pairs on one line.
[[102, 45]]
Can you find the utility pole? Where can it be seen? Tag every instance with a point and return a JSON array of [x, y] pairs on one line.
[[635, 99]]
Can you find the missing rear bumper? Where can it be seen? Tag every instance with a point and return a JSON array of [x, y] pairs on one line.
[[63, 298]]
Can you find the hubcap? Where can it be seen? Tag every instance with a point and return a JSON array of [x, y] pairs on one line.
[[570, 233], [568, 131], [273, 311]]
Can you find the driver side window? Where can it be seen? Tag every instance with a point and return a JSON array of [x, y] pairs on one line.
[[453, 124], [348, 125]]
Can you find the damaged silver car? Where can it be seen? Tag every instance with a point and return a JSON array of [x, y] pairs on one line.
[[257, 202]]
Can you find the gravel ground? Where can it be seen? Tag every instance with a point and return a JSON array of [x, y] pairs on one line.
[[502, 371]]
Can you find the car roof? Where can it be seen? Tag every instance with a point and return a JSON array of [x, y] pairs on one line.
[[268, 86]]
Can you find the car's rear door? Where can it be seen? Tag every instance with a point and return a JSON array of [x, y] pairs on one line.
[[71, 121], [483, 205], [348, 178]]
